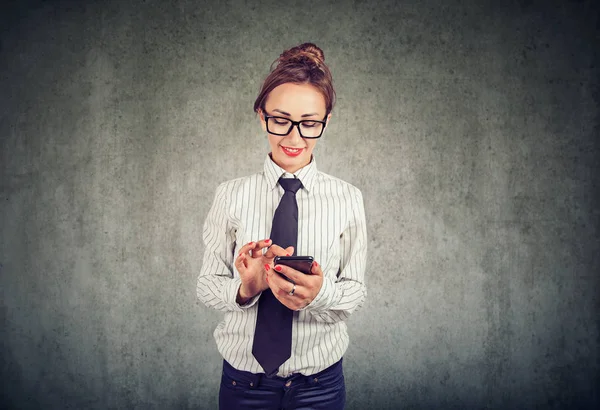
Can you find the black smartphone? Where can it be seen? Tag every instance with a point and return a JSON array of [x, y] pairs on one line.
[[300, 263]]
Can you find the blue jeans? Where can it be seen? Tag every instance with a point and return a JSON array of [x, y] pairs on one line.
[[245, 390]]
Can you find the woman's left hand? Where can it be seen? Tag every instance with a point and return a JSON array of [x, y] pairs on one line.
[[306, 286]]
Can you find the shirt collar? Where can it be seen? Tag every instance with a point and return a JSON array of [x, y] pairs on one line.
[[273, 172]]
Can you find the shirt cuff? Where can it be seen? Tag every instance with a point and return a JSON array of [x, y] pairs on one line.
[[231, 291], [323, 299]]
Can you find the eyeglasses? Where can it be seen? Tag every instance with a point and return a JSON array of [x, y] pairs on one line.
[[283, 126]]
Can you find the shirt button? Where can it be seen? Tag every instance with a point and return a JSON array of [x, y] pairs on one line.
[[316, 380], [288, 383], [233, 382], [251, 384]]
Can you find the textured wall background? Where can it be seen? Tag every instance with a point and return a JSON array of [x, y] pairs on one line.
[[471, 128]]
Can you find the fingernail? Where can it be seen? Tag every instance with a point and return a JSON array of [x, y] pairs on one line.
[[267, 240], [278, 268], [287, 254], [316, 264], [267, 267], [251, 243]]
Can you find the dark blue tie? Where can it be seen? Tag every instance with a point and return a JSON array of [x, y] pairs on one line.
[[273, 334]]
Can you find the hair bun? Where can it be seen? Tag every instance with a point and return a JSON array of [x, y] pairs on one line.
[[302, 64], [303, 52]]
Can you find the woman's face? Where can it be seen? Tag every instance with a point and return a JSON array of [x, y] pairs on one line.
[[292, 101]]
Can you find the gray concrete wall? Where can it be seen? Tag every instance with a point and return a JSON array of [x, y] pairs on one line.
[[471, 128]]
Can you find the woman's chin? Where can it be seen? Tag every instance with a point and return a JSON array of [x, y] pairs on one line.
[[295, 163]]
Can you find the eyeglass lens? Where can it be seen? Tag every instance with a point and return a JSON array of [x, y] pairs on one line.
[[282, 126]]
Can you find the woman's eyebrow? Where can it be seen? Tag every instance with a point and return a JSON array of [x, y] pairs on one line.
[[289, 115]]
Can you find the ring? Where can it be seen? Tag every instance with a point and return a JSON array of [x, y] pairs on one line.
[[291, 292]]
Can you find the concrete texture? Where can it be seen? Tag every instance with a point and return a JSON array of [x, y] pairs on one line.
[[471, 128]]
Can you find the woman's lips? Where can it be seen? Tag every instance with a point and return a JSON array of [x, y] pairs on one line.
[[292, 152]]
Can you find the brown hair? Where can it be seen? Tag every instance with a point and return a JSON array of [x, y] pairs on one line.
[[300, 65]]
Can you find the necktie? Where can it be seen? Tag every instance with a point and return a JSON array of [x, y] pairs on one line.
[[273, 333]]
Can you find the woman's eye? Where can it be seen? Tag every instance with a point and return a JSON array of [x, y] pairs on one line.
[[281, 122], [309, 124]]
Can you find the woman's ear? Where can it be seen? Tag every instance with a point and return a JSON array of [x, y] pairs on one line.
[[327, 120], [261, 116]]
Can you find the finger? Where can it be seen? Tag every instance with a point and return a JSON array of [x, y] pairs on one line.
[[264, 243], [258, 247], [246, 248], [281, 290], [291, 273], [240, 262], [278, 282], [316, 269], [284, 299], [276, 250]]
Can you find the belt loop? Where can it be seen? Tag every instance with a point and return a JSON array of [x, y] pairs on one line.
[[303, 379], [312, 379], [257, 380], [254, 380]]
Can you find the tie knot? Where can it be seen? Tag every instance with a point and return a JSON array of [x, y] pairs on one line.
[[290, 184]]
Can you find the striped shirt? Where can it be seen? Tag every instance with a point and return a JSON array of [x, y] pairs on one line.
[[331, 228]]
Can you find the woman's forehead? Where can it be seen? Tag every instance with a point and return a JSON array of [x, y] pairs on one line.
[[296, 99]]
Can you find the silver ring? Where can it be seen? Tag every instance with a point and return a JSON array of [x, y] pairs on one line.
[[291, 292]]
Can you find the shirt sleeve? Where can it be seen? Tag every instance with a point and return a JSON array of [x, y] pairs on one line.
[[216, 287], [339, 298]]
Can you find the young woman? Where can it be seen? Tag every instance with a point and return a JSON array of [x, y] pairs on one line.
[[284, 335]]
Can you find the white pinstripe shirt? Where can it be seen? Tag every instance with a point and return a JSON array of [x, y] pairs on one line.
[[331, 228]]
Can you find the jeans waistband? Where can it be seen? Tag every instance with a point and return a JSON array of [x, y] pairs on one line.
[[255, 379]]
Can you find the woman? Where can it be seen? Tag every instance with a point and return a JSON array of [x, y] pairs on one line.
[[283, 335]]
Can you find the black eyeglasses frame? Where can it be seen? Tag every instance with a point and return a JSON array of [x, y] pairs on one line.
[[295, 124]]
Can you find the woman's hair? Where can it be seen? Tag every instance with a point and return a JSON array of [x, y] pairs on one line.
[[303, 64]]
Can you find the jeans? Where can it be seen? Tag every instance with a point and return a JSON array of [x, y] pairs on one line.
[[245, 390]]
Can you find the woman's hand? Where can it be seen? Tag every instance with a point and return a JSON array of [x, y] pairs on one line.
[[307, 286], [251, 262]]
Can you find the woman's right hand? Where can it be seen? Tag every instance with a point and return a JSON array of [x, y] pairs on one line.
[[251, 262]]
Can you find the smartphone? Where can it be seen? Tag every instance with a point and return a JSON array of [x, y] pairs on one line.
[[300, 263]]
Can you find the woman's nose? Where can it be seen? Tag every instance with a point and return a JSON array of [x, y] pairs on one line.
[[294, 134]]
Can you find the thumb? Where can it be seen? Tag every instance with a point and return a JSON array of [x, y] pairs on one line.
[[316, 269], [290, 250]]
